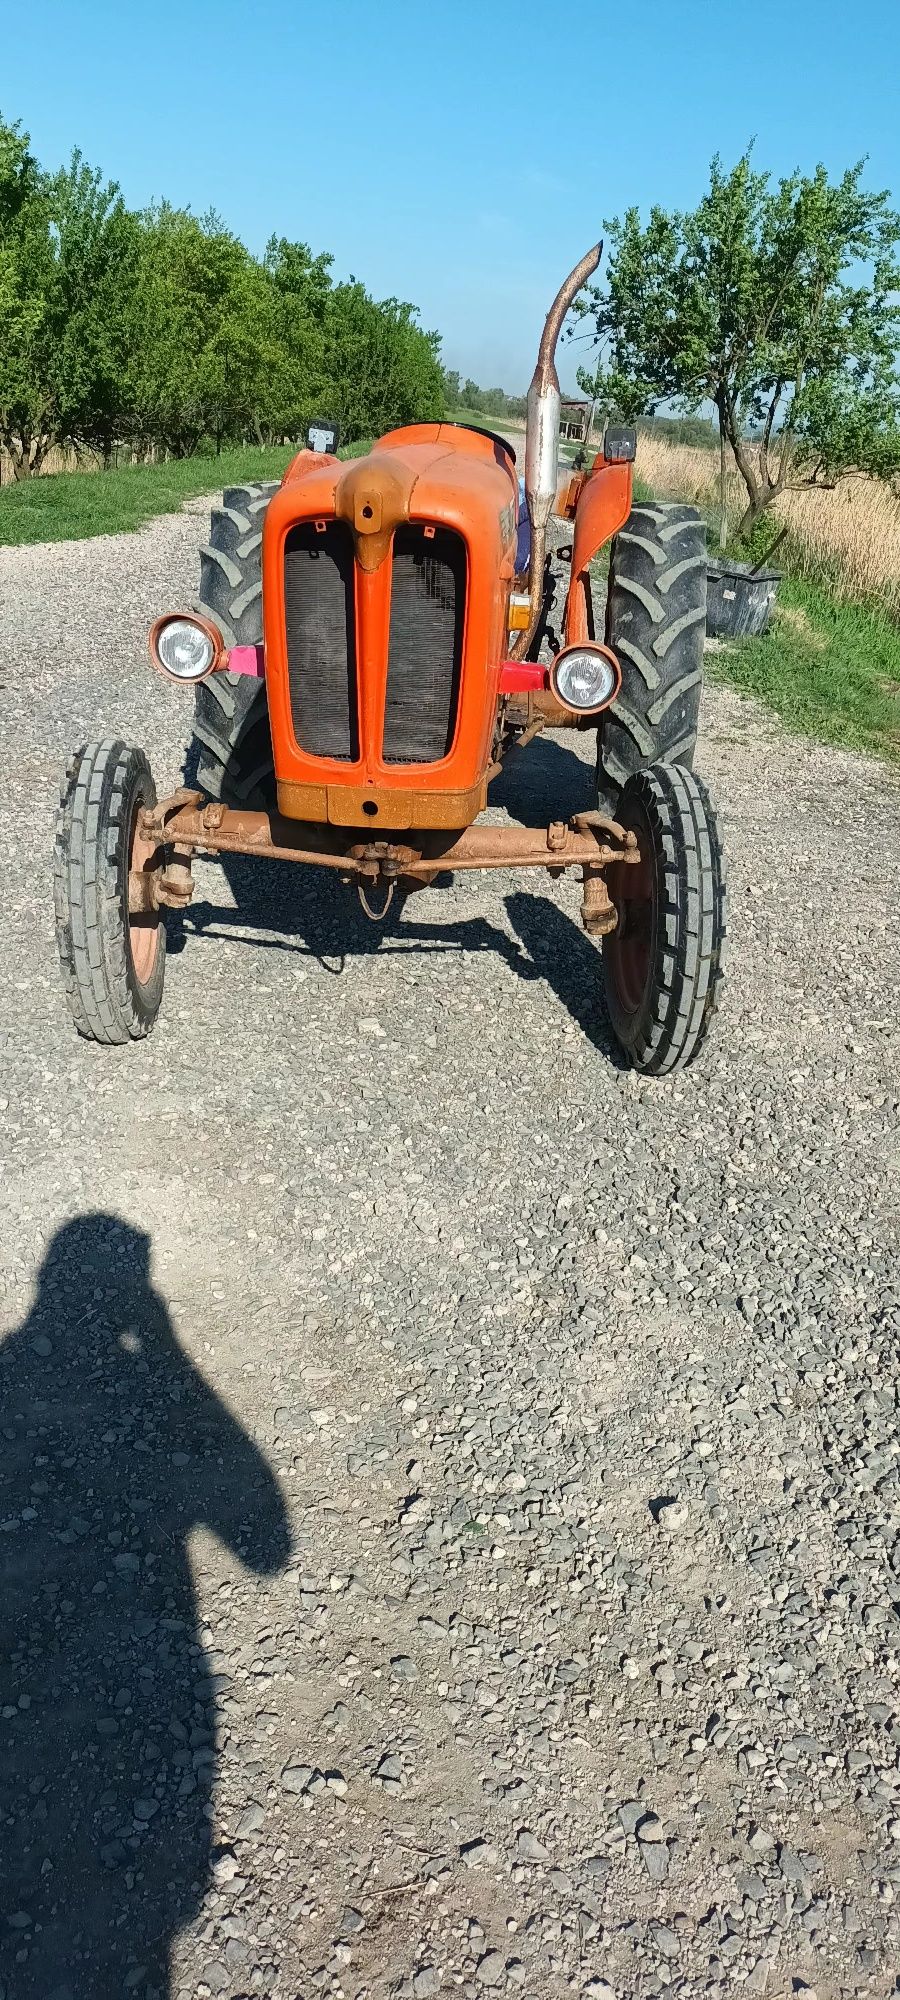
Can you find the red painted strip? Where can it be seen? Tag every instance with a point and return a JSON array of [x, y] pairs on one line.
[[522, 677]]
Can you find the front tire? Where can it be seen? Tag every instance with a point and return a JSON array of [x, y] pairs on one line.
[[662, 965], [113, 963], [655, 624]]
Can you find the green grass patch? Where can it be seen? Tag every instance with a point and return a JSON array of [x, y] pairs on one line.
[[482, 422], [71, 506], [828, 668]]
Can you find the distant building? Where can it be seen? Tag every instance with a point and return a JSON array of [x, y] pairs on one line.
[[574, 416]]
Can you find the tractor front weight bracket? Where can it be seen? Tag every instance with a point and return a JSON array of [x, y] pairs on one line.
[[188, 823]]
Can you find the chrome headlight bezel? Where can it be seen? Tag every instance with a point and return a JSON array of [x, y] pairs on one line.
[[211, 654], [604, 670]]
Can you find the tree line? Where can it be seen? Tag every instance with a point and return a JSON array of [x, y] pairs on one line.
[[159, 332], [465, 394]]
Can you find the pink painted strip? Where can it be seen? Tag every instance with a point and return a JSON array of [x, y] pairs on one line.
[[247, 660]]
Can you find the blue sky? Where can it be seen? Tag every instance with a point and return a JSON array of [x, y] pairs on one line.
[[462, 156]]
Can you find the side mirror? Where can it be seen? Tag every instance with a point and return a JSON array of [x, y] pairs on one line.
[[619, 444], [323, 435]]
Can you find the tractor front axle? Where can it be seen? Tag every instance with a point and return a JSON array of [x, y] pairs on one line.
[[188, 823]]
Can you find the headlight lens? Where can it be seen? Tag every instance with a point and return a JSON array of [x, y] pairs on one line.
[[584, 677], [185, 650]]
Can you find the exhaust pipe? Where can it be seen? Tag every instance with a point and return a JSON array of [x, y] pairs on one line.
[[542, 438]]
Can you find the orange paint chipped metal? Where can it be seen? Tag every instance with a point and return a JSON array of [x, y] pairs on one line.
[[440, 476]]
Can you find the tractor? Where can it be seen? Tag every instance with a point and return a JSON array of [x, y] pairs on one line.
[[369, 643]]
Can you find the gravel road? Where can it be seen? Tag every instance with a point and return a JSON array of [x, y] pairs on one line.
[[450, 1487]]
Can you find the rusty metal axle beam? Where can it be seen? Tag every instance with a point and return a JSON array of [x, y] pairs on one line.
[[187, 822]]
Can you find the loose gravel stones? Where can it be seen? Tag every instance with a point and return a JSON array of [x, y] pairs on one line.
[[448, 1485]]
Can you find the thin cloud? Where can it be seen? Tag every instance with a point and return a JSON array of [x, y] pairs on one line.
[[493, 223], [544, 183]]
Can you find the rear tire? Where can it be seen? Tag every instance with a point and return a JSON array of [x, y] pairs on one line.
[[662, 965], [655, 624], [231, 715], [113, 964]]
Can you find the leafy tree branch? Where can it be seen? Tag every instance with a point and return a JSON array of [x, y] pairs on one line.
[[779, 304]]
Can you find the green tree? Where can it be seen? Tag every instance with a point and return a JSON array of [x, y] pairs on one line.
[[301, 285], [87, 306], [382, 368], [489, 402], [62, 245], [778, 304], [161, 329], [203, 337], [24, 231]]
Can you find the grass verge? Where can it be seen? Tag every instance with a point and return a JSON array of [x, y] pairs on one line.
[[828, 668], [480, 421], [71, 506], [829, 665]]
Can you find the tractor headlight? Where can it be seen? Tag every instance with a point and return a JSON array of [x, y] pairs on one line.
[[585, 678], [185, 648]]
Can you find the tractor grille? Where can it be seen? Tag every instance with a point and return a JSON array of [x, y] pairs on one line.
[[428, 597], [321, 639]]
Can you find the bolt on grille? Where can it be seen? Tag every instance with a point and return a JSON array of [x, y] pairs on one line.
[[320, 626], [428, 597]]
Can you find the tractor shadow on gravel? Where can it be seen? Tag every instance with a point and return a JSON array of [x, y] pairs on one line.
[[316, 916], [319, 918], [114, 1451], [545, 781]]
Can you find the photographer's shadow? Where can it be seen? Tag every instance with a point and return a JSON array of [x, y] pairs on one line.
[[114, 1450]]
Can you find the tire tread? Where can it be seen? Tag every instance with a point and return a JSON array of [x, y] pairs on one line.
[[231, 716], [689, 950], [89, 882], [655, 621]]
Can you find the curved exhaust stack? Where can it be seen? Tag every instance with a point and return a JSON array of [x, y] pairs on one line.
[[542, 437]]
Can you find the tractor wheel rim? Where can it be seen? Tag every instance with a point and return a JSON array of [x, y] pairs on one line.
[[632, 944], [143, 926]]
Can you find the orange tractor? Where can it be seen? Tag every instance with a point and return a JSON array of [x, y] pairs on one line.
[[367, 647]]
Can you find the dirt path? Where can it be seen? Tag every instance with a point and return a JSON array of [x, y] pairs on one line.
[[449, 1487]]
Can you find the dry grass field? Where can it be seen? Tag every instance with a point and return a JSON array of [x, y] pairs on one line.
[[61, 458], [830, 663], [849, 538]]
